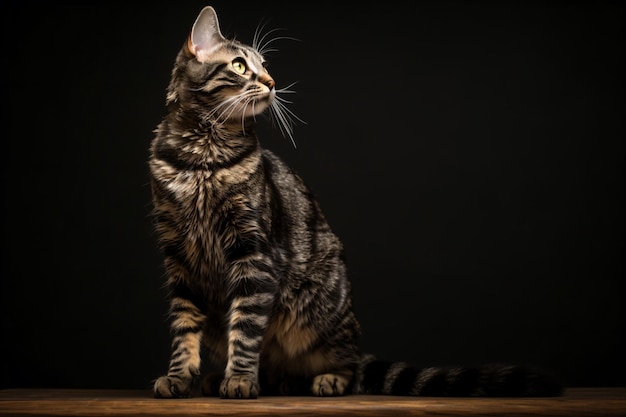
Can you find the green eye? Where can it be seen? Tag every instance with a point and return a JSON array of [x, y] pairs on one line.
[[239, 66]]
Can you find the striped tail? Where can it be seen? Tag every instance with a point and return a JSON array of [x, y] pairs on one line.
[[398, 378]]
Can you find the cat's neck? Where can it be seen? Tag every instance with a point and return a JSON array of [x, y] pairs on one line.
[[184, 117], [209, 142]]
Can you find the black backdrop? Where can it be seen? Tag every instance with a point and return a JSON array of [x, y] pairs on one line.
[[470, 155]]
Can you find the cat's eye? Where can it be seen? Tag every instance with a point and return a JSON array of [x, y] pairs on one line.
[[239, 65]]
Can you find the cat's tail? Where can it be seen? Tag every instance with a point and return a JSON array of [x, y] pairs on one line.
[[398, 378]]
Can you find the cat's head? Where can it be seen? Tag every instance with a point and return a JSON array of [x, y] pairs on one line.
[[217, 78]]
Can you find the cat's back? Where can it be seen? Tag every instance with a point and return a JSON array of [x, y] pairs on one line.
[[291, 200], [298, 226]]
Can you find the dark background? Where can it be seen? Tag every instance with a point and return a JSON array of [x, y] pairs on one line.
[[469, 154]]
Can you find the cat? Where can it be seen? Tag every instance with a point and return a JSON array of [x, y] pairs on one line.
[[256, 277]]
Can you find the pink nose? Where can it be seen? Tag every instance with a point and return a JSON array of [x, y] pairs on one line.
[[269, 82]]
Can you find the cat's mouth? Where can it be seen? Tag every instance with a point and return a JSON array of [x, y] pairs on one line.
[[258, 103], [235, 105]]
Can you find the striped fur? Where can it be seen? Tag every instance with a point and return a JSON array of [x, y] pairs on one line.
[[255, 275], [398, 378]]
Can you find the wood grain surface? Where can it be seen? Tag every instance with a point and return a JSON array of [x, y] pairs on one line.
[[46, 402]]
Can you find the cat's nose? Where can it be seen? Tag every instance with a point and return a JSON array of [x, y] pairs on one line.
[[269, 82]]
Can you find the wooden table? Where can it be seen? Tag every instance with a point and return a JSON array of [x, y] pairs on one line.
[[47, 402]]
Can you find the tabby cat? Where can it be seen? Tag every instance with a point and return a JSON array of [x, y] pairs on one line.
[[256, 276]]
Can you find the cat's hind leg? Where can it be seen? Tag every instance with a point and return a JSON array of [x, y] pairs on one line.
[[331, 384]]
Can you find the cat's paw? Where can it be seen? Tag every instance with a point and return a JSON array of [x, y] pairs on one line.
[[172, 387], [239, 386], [330, 385], [210, 385]]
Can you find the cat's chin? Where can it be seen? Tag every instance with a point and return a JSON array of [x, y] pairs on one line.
[[249, 112], [257, 107]]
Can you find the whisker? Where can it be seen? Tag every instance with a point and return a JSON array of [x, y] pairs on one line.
[[267, 51], [260, 45], [280, 38], [264, 49], [226, 103], [286, 89], [282, 100], [284, 119], [228, 106], [243, 117], [257, 33], [291, 113], [243, 112], [283, 125], [231, 109]]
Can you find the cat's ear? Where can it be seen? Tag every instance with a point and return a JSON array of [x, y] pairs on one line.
[[205, 35]]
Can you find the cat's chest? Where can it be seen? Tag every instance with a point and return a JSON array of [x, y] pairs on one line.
[[206, 208], [200, 216], [201, 195], [195, 193], [199, 208], [201, 189], [197, 215]]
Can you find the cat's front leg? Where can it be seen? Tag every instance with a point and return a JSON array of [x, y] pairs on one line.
[[252, 301], [184, 367]]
